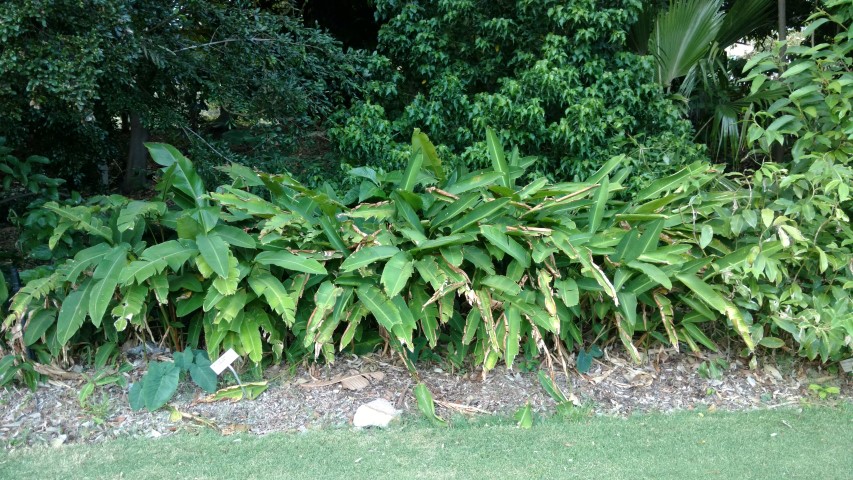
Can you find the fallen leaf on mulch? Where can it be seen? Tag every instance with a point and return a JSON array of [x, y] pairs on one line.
[[351, 381], [236, 392]]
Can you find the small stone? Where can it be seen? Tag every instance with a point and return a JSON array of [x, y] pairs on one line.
[[58, 441], [378, 413]]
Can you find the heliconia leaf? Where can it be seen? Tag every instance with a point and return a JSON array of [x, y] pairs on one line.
[[397, 272], [86, 258], [368, 255], [39, 321], [478, 258], [502, 241], [250, 338], [173, 252], [141, 270], [524, 416], [544, 283], [596, 211], [379, 306], [585, 257], [107, 277], [648, 242], [134, 210], [324, 301], [483, 212], [451, 211], [444, 241], [341, 310], [420, 141], [426, 404], [264, 284], [513, 332], [705, 292], [405, 211], [625, 336], [71, 315], [234, 236], [182, 175], [502, 284], [698, 335], [653, 272], [496, 153], [568, 291], [291, 261], [667, 317], [413, 169], [474, 181], [215, 252]]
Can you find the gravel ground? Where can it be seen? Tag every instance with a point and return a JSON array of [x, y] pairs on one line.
[[297, 400]]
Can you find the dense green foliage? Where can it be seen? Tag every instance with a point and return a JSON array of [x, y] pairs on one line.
[[75, 71], [462, 249], [555, 79]]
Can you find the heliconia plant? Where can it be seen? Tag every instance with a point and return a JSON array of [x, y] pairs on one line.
[[471, 262]]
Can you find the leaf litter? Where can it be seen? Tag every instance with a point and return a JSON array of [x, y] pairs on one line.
[[308, 397]]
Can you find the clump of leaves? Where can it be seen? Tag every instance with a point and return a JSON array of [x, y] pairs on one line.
[[160, 382]]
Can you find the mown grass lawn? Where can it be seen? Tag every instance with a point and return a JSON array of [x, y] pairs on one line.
[[812, 443]]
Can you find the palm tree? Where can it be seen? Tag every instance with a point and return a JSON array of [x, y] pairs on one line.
[[688, 39]]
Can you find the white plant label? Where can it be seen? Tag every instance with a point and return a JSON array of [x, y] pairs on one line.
[[224, 361]]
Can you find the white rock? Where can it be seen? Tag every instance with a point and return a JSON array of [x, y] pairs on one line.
[[377, 413]]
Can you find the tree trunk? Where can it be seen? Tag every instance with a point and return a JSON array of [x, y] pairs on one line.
[[137, 158], [778, 150]]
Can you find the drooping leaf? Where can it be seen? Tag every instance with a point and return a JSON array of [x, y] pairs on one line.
[[367, 256], [426, 404], [71, 315], [292, 262], [397, 273], [215, 252]]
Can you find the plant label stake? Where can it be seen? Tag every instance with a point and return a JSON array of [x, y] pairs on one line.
[[224, 361]]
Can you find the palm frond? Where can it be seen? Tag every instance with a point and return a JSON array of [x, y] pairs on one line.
[[745, 17], [682, 36]]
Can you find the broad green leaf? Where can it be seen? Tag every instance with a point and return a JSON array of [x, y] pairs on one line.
[[264, 284], [502, 241], [444, 241], [667, 317], [182, 176], [234, 236], [596, 212], [396, 273], [551, 388], [771, 342], [37, 324], [420, 141], [141, 270], [250, 337], [706, 236], [496, 153], [426, 404], [568, 291], [378, 304], [86, 258], [106, 278], [159, 384], [513, 333], [215, 252], [413, 169], [292, 262], [451, 211], [71, 315], [473, 181], [324, 301], [202, 374], [652, 272], [502, 283], [524, 416], [173, 252], [483, 212], [478, 258], [367, 256]]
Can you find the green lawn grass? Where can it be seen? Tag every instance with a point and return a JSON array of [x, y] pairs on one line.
[[815, 443]]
